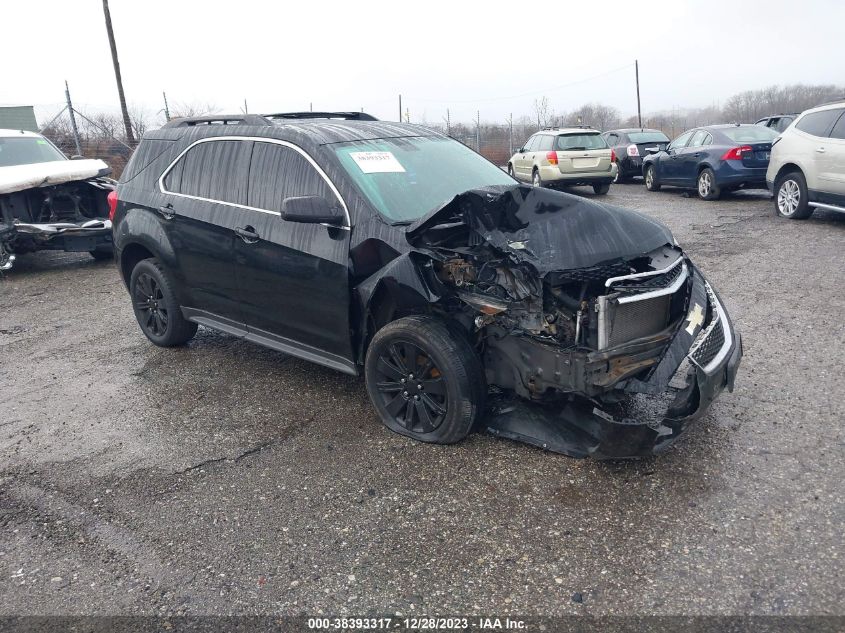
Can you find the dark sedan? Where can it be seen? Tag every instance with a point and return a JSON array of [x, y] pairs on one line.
[[713, 159], [630, 146]]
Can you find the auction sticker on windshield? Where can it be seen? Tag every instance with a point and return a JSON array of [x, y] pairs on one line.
[[377, 162]]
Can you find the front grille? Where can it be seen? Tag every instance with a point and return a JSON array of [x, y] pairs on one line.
[[711, 342], [638, 304], [645, 284]]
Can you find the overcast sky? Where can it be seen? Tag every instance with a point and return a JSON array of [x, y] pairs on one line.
[[490, 56]]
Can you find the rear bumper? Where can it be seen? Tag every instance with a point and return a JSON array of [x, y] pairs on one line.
[[21, 237], [631, 166], [552, 175], [730, 175], [654, 415]]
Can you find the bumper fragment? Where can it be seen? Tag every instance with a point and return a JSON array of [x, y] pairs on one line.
[[648, 417]]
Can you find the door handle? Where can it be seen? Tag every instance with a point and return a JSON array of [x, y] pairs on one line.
[[167, 211], [247, 234], [820, 150]]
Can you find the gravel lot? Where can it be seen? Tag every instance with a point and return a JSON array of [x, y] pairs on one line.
[[225, 478]]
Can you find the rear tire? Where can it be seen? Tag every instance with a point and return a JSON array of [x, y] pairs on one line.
[[103, 255], [425, 380], [650, 179], [620, 177], [156, 307], [602, 189], [791, 197], [706, 184]]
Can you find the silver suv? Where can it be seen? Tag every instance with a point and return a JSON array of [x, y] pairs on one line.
[[807, 167]]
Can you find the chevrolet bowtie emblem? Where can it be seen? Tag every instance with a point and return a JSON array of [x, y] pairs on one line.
[[695, 319]]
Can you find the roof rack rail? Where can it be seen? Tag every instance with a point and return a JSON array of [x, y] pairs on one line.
[[568, 127], [348, 116], [222, 119]]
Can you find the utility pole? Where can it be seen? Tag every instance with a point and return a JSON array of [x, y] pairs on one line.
[[166, 108], [72, 121], [400, 108], [311, 107], [478, 131], [448, 123], [637, 74], [246, 109], [510, 133], [127, 125]]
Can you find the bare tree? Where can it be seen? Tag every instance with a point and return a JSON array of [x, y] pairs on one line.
[[543, 111], [194, 108]]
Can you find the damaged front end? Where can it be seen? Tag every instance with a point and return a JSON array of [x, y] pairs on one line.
[[598, 336], [47, 206]]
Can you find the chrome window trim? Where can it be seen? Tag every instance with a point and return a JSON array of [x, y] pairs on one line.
[[257, 139]]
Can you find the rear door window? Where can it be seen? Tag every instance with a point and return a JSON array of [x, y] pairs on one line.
[[278, 172], [818, 123], [699, 138], [211, 170]]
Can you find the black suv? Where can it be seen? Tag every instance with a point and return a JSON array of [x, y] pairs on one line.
[[464, 297]]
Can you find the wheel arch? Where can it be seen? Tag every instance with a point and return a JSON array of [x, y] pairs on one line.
[[130, 256], [785, 169]]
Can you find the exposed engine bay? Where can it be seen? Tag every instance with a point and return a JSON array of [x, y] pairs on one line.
[[619, 332]]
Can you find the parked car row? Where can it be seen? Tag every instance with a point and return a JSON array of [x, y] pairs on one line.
[[799, 157]]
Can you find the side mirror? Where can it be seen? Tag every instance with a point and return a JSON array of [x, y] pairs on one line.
[[521, 150], [311, 210]]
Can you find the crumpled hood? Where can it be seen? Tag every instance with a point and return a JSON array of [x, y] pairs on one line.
[[550, 230], [21, 177]]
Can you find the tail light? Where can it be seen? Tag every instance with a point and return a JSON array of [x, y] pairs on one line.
[[551, 157], [633, 150], [737, 152], [112, 200], [612, 156]]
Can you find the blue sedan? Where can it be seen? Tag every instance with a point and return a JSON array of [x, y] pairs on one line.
[[713, 159]]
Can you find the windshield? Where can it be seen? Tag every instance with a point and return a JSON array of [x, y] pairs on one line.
[[25, 150], [405, 178], [750, 134], [574, 142], [648, 137]]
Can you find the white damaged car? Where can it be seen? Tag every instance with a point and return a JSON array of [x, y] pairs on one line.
[[49, 202]]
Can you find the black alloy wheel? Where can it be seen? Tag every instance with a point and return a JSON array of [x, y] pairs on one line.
[[411, 387], [150, 305]]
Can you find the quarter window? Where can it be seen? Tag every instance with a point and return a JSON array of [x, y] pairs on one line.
[[277, 172], [818, 123], [546, 143], [839, 129], [213, 170]]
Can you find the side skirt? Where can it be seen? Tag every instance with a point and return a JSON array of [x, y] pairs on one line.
[[267, 339]]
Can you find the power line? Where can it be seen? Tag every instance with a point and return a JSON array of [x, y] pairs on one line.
[[533, 92]]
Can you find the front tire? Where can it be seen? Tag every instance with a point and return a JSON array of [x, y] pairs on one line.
[[650, 179], [707, 187], [510, 171], [156, 307], [536, 179], [425, 380], [602, 189], [791, 197]]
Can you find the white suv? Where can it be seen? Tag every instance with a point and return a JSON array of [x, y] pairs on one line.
[[807, 167]]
